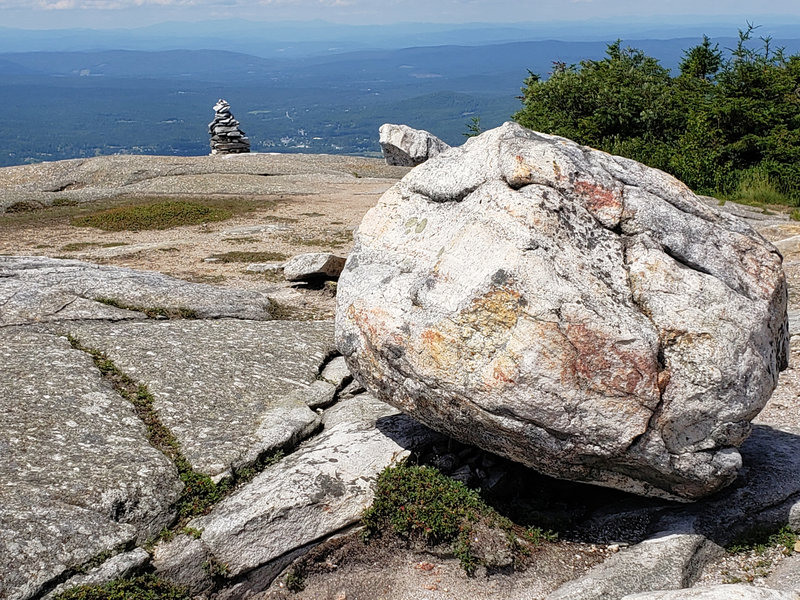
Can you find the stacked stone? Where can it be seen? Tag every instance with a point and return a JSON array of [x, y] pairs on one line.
[[226, 137]]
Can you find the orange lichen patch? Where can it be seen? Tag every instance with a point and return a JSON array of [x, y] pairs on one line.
[[503, 370], [436, 348], [498, 309], [599, 199], [609, 369], [522, 175]]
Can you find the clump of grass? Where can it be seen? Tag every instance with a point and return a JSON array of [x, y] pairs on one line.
[[24, 206], [419, 502], [153, 312], [65, 202], [249, 257], [76, 246], [145, 587], [760, 540], [756, 189], [295, 581], [242, 240], [153, 215], [795, 214]]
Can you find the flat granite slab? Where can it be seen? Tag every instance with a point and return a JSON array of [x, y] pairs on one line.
[[37, 288], [77, 477], [229, 390]]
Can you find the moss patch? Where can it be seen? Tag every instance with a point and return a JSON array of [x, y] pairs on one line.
[[146, 587], [155, 215], [154, 312]]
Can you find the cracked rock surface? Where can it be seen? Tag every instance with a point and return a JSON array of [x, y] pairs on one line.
[[574, 311], [79, 477], [229, 390], [35, 288]]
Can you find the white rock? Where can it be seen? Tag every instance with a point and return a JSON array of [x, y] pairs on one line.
[[406, 147], [574, 311]]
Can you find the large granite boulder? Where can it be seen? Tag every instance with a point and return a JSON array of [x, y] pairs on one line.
[[577, 312], [407, 147]]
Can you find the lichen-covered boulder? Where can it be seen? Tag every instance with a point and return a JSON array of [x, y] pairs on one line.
[[577, 312], [407, 147]]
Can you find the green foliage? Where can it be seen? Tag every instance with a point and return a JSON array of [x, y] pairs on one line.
[[420, 502], [156, 215], [295, 581], [760, 540], [473, 128], [717, 125], [146, 587], [199, 493]]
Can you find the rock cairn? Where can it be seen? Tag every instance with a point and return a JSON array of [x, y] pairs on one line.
[[226, 137]]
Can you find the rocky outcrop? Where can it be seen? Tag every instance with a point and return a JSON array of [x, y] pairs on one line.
[[79, 478], [37, 288], [406, 147], [229, 390], [226, 137], [574, 311]]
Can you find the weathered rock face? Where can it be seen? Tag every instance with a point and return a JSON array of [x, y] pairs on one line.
[[406, 147], [575, 311]]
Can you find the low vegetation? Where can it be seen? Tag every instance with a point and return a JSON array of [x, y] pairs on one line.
[[420, 503], [249, 257], [145, 587], [153, 312], [727, 125], [155, 215], [761, 540]]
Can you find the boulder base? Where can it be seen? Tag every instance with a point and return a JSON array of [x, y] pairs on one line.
[[574, 311]]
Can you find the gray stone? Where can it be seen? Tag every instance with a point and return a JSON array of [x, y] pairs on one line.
[[121, 565], [313, 265], [407, 147], [318, 394], [226, 137], [786, 575], [336, 372], [718, 592], [574, 311], [318, 490], [34, 289], [78, 477], [223, 387], [180, 561], [669, 561]]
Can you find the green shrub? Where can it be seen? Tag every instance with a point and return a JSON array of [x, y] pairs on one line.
[[419, 502]]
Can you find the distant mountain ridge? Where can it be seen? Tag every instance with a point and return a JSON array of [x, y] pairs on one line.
[[79, 104]]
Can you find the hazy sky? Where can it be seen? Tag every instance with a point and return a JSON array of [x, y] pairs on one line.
[[131, 13]]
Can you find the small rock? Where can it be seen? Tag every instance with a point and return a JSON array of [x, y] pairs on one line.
[[406, 147], [313, 265]]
